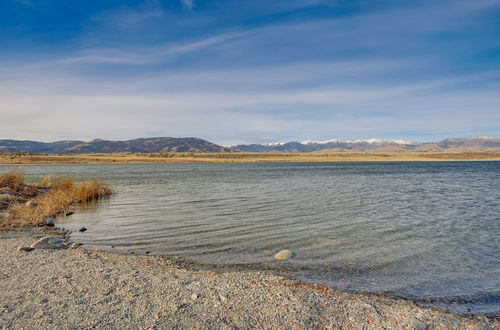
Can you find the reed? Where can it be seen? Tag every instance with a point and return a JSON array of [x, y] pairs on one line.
[[54, 195]]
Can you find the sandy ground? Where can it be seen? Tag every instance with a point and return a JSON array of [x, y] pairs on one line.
[[77, 288]]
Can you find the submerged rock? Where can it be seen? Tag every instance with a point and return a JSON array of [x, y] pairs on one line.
[[82, 229], [49, 242], [283, 255]]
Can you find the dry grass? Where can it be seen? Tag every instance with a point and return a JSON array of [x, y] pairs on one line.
[[51, 197], [12, 180]]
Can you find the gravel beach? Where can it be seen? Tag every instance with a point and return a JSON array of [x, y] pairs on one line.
[[75, 288]]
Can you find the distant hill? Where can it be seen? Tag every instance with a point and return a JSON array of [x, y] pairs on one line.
[[146, 145], [171, 144], [473, 144]]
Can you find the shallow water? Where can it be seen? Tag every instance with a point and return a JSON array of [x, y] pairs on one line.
[[426, 231]]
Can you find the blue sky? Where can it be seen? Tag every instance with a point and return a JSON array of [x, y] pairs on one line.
[[249, 71]]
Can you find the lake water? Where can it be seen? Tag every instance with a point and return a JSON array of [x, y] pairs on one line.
[[426, 231]]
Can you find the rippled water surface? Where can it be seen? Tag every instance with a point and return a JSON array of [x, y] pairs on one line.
[[427, 231]]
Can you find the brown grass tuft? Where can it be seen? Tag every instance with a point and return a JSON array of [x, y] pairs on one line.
[[53, 196], [56, 182], [12, 180]]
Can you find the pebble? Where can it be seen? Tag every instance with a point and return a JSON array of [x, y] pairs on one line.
[[69, 213], [194, 296], [82, 229], [75, 245], [49, 242], [25, 248], [283, 255]]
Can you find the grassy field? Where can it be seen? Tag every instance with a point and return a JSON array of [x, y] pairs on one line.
[[26, 158]]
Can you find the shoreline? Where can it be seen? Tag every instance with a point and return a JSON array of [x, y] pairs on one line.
[[77, 287], [16, 159]]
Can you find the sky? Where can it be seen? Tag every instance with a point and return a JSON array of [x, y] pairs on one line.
[[254, 71]]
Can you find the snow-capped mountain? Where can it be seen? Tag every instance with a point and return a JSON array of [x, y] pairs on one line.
[[473, 144]]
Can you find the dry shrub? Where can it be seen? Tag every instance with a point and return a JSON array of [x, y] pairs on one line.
[[13, 179], [56, 182], [62, 195]]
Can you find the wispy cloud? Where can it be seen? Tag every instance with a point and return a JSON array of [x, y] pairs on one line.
[[350, 76], [147, 55], [188, 4], [25, 2]]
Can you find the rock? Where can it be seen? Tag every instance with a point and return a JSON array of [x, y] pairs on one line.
[[31, 203], [418, 325], [49, 242], [82, 229], [75, 245], [69, 213], [7, 197], [25, 248], [194, 296], [283, 255], [222, 298], [49, 222]]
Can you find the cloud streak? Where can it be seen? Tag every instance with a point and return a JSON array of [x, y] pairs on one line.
[[405, 72]]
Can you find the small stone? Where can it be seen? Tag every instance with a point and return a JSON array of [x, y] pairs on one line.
[[283, 255], [222, 298], [194, 296], [49, 242], [82, 229], [69, 213], [75, 245], [25, 248]]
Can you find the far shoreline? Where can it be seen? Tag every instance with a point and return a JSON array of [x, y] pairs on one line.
[[21, 158]]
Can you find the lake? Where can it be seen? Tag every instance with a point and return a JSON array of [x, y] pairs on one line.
[[425, 231]]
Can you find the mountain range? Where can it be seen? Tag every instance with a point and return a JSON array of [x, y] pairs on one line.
[[146, 145], [472, 144], [171, 144]]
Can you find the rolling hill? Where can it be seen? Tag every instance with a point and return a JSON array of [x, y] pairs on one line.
[[145, 145]]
